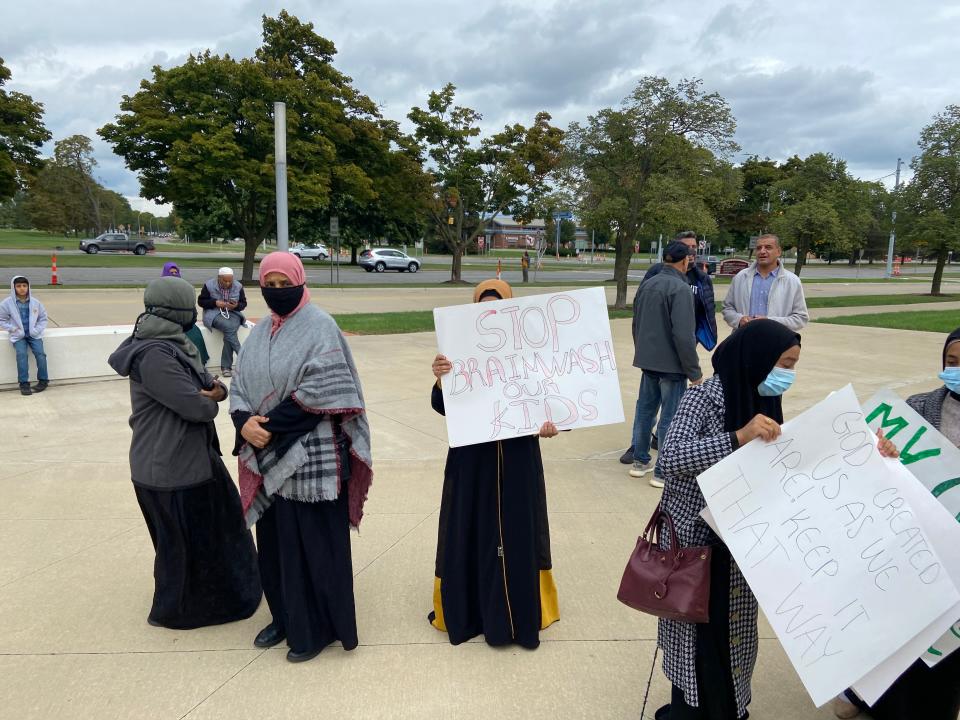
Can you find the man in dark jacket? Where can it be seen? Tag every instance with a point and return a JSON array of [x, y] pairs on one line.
[[665, 350], [704, 303]]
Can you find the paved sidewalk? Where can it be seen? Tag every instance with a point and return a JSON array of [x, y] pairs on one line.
[[76, 569]]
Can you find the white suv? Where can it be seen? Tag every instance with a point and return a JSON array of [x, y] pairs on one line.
[[310, 252], [380, 259]]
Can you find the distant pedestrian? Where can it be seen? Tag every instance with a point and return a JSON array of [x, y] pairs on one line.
[[766, 289], [525, 266], [24, 317], [223, 302], [171, 269], [666, 351]]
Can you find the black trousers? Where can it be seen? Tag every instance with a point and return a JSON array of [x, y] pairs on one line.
[[307, 571], [714, 680]]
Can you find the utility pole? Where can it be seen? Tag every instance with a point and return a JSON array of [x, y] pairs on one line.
[[280, 170], [893, 230]]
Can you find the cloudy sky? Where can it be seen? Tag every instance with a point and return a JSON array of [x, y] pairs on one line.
[[857, 79]]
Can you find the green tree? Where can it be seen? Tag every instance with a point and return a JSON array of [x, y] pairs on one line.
[[932, 198], [751, 213], [653, 165], [820, 207], [475, 181], [204, 130], [21, 134]]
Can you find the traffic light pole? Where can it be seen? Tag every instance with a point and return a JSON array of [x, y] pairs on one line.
[[893, 229]]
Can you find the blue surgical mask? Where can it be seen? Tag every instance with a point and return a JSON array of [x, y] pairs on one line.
[[777, 382], [951, 378]]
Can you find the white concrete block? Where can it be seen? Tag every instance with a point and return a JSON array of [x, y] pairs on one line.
[[80, 353]]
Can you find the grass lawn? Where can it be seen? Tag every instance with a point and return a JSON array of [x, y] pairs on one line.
[[867, 300], [103, 260], [942, 321], [35, 240]]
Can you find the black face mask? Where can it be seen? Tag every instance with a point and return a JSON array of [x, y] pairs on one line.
[[282, 300]]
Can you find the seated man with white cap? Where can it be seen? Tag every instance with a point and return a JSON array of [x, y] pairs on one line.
[[223, 301]]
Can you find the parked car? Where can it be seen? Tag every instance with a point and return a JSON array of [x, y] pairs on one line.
[[117, 242], [314, 251], [380, 259], [708, 263]]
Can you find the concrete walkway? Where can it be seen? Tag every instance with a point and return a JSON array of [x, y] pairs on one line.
[[76, 570]]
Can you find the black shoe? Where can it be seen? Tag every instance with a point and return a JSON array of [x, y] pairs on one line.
[[662, 713], [654, 445], [25, 389], [268, 637], [298, 657], [40, 386], [627, 457], [154, 623]]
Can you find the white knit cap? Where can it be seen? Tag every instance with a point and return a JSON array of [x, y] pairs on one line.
[[225, 271]]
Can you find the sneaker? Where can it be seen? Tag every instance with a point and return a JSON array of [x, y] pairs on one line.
[[226, 373], [640, 469], [843, 708], [656, 482], [25, 389], [40, 386], [627, 457]]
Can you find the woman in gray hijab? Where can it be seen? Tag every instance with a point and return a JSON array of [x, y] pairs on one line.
[[205, 571]]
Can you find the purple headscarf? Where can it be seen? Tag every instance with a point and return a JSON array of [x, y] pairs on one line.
[[168, 270]]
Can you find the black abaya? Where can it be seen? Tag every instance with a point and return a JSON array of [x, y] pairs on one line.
[[205, 571]]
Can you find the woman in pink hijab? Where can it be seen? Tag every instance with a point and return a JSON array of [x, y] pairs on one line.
[[303, 445]]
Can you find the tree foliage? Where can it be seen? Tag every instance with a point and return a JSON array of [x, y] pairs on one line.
[[203, 131], [475, 179], [932, 198], [22, 132], [656, 164]]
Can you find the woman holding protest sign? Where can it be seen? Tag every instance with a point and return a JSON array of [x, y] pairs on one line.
[[711, 665], [305, 466], [493, 566], [922, 691]]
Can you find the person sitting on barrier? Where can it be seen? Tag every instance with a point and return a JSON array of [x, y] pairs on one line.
[[932, 693], [171, 269], [24, 317], [223, 302]]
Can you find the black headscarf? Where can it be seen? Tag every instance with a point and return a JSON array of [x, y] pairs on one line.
[[743, 361], [951, 338]]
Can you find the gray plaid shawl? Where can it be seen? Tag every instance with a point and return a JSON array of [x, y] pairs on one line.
[[309, 360]]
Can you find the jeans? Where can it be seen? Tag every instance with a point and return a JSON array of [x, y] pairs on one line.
[[231, 343], [655, 392], [23, 360]]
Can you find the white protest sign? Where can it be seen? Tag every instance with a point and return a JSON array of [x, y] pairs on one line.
[[838, 558], [520, 362], [934, 461]]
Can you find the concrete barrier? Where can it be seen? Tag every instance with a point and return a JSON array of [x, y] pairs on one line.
[[80, 353]]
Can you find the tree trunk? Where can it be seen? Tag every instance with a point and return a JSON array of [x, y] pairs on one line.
[[801, 256], [938, 271], [621, 268], [250, 246], [353, 254], [457, 263]]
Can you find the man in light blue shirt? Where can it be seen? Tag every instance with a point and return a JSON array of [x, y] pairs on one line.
[[766, 289]]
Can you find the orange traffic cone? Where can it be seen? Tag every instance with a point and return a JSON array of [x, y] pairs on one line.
[[53, 270]]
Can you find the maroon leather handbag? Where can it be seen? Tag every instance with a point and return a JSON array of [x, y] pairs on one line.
[[672, 584]]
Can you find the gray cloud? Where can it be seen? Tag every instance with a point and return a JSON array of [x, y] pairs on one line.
[[857, 79]]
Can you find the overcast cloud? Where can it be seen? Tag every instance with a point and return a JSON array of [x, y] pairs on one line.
[[857, 79]]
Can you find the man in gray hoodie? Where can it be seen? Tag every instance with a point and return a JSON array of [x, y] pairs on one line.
[[665, 349]]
